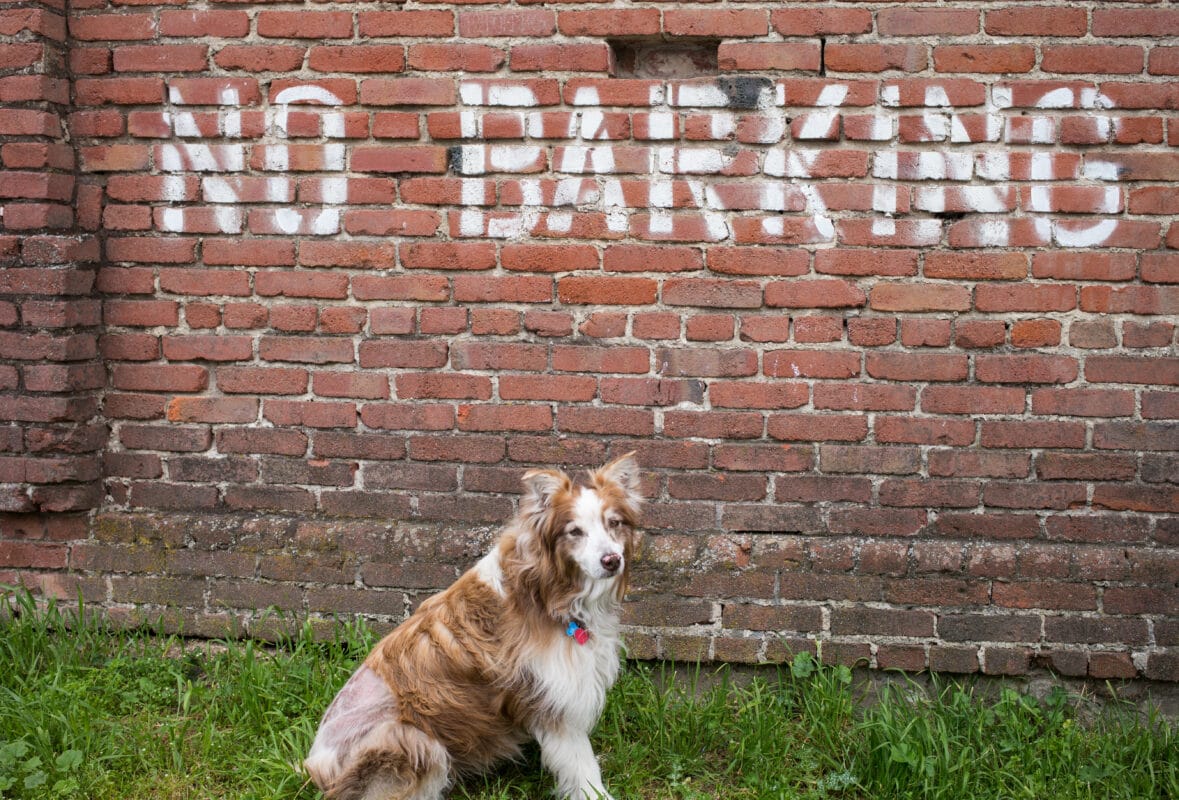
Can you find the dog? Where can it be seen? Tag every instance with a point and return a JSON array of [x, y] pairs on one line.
[[524, 645]]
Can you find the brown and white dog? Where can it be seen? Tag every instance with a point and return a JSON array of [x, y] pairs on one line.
[[524, 645]]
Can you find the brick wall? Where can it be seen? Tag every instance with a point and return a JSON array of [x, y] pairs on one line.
[[51, 375], [884, 296]]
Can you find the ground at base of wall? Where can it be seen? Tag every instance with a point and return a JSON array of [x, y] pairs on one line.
[[128, 713]]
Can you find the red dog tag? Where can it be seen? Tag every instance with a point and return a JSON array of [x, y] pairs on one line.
[[579, 634]]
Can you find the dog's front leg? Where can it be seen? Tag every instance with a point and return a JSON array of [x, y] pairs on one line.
[[569, 756]]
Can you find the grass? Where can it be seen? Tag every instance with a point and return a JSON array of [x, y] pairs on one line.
[[90, 713]]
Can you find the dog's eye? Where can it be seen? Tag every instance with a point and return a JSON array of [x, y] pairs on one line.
[[575, 531], [615, 523]]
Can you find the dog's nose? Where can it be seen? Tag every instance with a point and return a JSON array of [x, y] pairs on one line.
[[611, 562]]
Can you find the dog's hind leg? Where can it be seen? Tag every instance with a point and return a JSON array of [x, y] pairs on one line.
[[394, 762]]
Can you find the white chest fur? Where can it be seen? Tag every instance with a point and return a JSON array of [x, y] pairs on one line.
[[575, 677]]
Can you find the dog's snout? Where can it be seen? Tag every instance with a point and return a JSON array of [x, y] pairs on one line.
[[611, 562]]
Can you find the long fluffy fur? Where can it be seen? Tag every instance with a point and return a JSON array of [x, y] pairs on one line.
[[486, 664]]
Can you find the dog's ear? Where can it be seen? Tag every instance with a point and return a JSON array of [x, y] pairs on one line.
[[623, 472], [540, 486]]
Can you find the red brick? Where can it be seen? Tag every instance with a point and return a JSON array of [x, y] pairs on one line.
[[208, 347], [113, 27], [916, 367], [630, 360], [704, 292], [261, 380], [402, 355], [221, 24], [356, 254], [972, 400], [919, 297], [448, 256], [606, 291], [1087, 266], [1128, 369], [925, 332], [776, 56], [875, 57], [610, 22], [608, 421], [976, 266], [509, 417], [458, 57], [814, 294], [404, 158], [811, 364], [996, 59], [713, 425], [1035, 333], [1163, 61], [160, 378], [894, 263], [305, 349], [722, 23], [357, 58], [1048, 595], [260, 58], [561, 57], [1044, 21], [1083, 402], [521, 22], [204, 282], [1135, 22], [651, 258], [305, 24], [210, 91], [312, 414], [422, 288], [407, 91], [360, 222], [815, 329], [547, 387], [547, 258], [863, 397], [247, 252], [119, 91], [710, 328], [1151, 334], [1160, 405], [1117, 59], [442, 386], [1130, 299], [406, 23], [803, 21], [926, 21], [1025, 369], [212, 409], [161, 58], [396, 416], [469, 289], [615, 92], [913, 92], [323, 285]]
